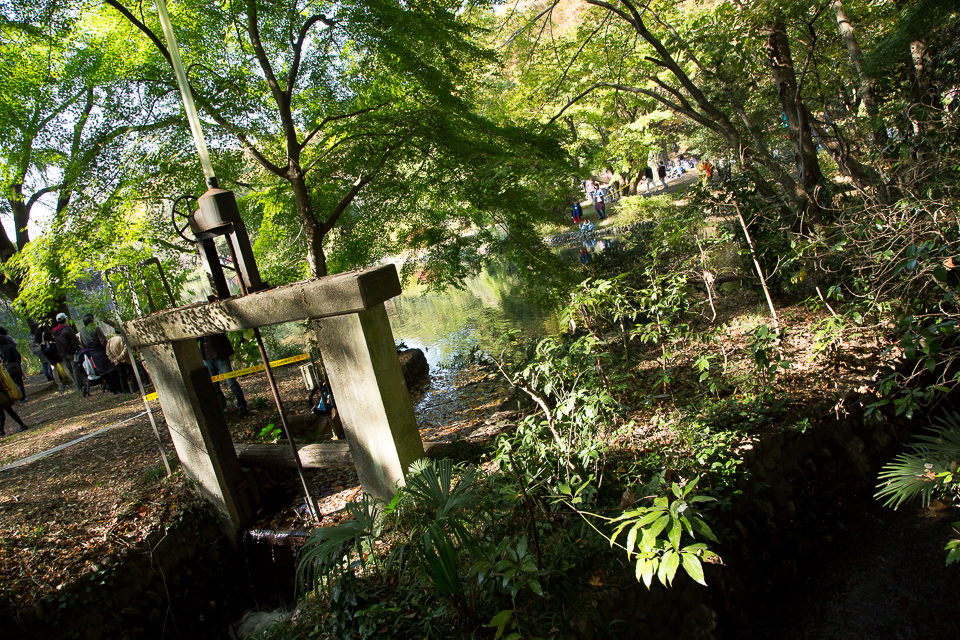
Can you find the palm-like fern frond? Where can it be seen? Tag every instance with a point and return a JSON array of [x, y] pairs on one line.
[[927, 469], [329, 551]]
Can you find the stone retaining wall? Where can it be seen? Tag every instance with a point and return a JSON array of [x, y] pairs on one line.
[[795, 485], [185, 582]]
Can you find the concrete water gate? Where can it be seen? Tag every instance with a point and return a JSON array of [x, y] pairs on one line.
[[359, 353]]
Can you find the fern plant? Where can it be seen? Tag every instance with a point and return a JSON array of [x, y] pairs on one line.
[[332, 553], [430, 509], [930, 468]]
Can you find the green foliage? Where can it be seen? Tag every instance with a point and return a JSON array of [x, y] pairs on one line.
[[567, 381], [270, 433], [435, 514], [930, 468], [953, 547], [634, 209], [510, 567], [765, 350], [331, 555], [673, 516]]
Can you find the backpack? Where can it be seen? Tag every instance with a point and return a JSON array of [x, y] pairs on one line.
[[9, 354], [49, 351]]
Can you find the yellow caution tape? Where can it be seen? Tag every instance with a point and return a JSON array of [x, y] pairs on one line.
[[248, 370]]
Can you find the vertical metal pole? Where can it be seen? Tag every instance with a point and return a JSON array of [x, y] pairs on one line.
[[136, 370], [163, 279], [153, 308], [311, 503]]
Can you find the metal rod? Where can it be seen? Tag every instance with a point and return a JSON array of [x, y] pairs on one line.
[[311, 502], [133, 290], [153, 307], [185, 91], [136, 369], [163, 279]]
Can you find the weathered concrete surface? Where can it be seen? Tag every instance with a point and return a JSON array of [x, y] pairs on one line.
[[372, 397], [361, 360], [314, 456], [345, 293], [197, 427]]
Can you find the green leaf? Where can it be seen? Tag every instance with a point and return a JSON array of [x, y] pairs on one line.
[[535, 586], [632, 539], [654, 531], [674, 534], [668, 567], [691, 564], [501, 618]]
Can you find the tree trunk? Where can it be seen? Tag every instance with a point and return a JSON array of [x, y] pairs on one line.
[[867, 91], [797, 116], [923, 96], [316, 259]]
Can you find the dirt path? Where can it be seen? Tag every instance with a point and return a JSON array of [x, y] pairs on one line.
[[65, 513]]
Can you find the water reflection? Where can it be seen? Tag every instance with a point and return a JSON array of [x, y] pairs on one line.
[[454, 322]]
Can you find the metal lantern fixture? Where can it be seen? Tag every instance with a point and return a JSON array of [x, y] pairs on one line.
[[216, 214]]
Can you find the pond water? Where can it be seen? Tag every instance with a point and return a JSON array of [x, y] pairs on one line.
[[454, 322]]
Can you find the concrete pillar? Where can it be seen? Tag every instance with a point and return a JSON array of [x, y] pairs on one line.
[[198, 429], [371, 396]]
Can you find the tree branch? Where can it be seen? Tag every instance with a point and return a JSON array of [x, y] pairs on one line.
[[280, 95], [342, 116], [298, 49], [199, 99]]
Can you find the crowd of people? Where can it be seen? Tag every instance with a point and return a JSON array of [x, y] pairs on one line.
[[78, 358], [81, 358], [599, 190]]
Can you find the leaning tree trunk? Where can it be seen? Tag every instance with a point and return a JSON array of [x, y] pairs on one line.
[[316, 258], [923, 97], [797, 117], [868, 86]]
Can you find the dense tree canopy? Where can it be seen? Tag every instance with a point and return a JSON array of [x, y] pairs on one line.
[[362, 114], [350, 131], [73, 114]]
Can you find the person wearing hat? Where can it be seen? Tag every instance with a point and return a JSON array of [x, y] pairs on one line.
[[67, 346], [94, 344]]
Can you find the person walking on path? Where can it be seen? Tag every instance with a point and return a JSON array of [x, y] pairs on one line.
[[662, 174], [67, 346], [6, 407], [118, 354], [49, 350], [94, 343], [598, 204], [648, 179], [217, 350], [12, 360]]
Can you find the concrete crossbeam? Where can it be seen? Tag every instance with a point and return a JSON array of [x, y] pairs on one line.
[[337, 295], [359, 355]]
